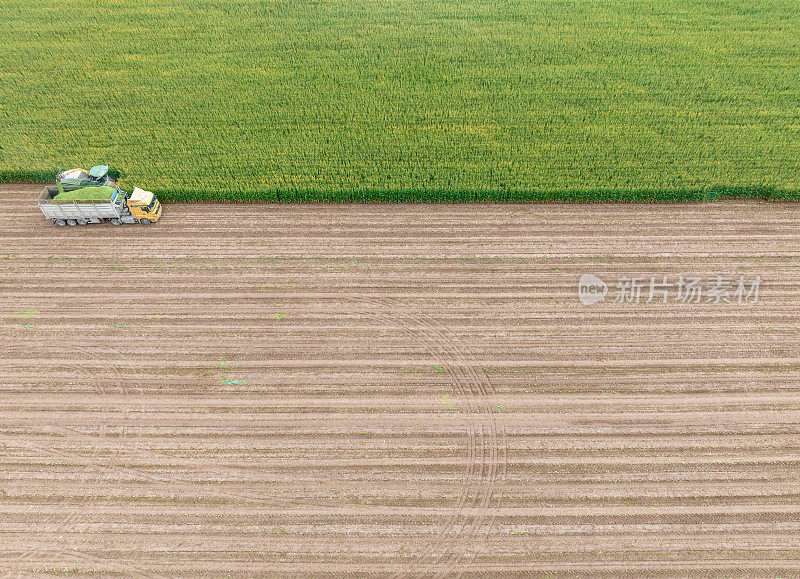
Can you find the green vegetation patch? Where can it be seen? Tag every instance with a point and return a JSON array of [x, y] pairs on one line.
[[398, 100], [86, 194]]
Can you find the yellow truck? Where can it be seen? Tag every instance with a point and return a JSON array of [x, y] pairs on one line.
[[81, 197]]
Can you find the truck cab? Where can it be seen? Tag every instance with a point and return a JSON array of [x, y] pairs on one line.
[[144, 206]]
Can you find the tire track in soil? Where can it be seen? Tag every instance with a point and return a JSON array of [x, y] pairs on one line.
[[104, 467], [470, 388], [438, 548], [486, 443], [109, 467], [483, 523]]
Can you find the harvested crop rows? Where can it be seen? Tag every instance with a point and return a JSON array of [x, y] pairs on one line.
[[397, 389]]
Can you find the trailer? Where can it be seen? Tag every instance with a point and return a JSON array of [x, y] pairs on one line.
[[82, 197], [82, 211]]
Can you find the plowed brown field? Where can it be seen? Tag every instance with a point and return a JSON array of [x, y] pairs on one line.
[[304, 389]]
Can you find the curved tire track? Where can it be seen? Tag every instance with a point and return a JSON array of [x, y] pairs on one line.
[[100, 469], [471, 518]]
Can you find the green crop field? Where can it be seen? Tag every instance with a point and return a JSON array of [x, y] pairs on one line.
[[407, 100]]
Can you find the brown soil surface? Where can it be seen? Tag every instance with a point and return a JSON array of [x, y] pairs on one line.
[[397, 389]]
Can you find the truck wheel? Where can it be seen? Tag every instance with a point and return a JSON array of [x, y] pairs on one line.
[[116, 221], [145, 221], [71, 222], [60, 222], [82, 222]]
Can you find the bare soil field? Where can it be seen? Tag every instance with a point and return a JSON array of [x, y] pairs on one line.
[[246, 390]]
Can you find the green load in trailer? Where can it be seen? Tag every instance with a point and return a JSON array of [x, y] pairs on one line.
[[104, 193]]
